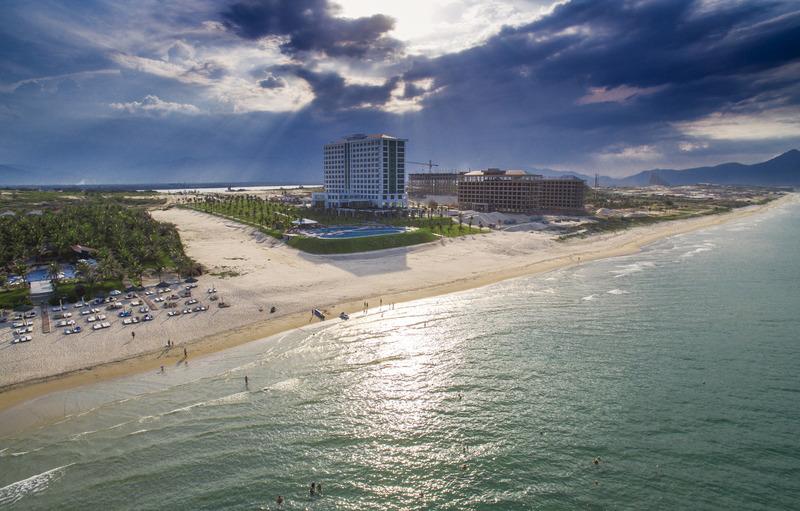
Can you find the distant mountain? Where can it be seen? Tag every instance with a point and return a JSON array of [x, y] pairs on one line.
[[783, 170]]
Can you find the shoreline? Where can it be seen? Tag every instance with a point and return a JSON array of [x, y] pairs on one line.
[[581, 251]]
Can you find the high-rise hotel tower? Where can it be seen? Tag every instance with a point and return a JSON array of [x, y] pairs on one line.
[[365, 171]]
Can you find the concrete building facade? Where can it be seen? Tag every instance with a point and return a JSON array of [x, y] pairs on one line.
[[516, 191], [365, 171], [435, 183]]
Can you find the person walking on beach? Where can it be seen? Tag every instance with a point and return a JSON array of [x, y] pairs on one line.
[[133, 335], [185, 353]]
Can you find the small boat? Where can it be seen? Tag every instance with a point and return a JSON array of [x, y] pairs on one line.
[[344, 316], [318, 313]]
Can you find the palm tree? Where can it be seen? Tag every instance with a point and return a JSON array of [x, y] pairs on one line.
[[21, 269], [53, 271]]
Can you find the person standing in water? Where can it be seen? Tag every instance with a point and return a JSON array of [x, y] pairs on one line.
[[246, 383]]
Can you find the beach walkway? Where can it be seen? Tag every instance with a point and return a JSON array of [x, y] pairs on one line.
[[45, 319], [146, 299]]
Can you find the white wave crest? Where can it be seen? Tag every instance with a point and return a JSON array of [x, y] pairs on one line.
[[617, 292], [628, 269], [34, 484]]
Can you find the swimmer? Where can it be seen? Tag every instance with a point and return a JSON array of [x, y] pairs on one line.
[[279, 500]]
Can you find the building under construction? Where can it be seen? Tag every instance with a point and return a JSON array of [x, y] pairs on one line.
[[516, 191], [436, 183]]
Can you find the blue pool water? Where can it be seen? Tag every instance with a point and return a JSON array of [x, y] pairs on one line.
[[348, 231], [40, 274]]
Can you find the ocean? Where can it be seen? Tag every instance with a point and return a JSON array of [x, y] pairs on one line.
[[675, 369]]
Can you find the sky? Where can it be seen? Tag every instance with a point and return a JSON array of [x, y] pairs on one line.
[[102, 91]]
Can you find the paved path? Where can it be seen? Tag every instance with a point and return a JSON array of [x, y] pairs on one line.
[[146, 299], [45, 319]]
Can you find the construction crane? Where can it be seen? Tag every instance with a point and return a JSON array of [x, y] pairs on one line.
[[428, 164]]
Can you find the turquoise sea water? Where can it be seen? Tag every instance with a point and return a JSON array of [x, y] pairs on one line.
[[677, 367]]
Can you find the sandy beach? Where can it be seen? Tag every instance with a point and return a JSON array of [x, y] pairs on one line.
[[253, 272]]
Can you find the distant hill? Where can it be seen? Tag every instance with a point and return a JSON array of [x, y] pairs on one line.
[[783, 170]]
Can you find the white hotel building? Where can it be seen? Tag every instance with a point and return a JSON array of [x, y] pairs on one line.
[[365, 171]]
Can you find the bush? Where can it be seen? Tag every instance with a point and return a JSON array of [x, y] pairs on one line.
[[15, 299]]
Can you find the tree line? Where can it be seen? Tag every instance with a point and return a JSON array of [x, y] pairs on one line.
[[127, 241]]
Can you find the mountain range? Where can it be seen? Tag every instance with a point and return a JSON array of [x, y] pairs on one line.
[[783, 170]]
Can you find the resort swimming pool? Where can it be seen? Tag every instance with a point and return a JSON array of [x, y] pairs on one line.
[[40, 274], [351, 231]]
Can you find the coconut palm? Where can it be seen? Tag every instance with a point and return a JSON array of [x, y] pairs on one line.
[[53, 271], [21, 269]]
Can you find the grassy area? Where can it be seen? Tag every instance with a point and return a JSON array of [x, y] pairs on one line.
[[365, 244], [21, 201], [274, 219], [15, 298]]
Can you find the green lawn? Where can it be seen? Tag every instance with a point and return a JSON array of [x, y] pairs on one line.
[[14, 298], [365, 244]]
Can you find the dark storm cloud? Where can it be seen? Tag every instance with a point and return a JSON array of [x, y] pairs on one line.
[[332, 93], [670, 44], [311, 26], [272, 82]]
